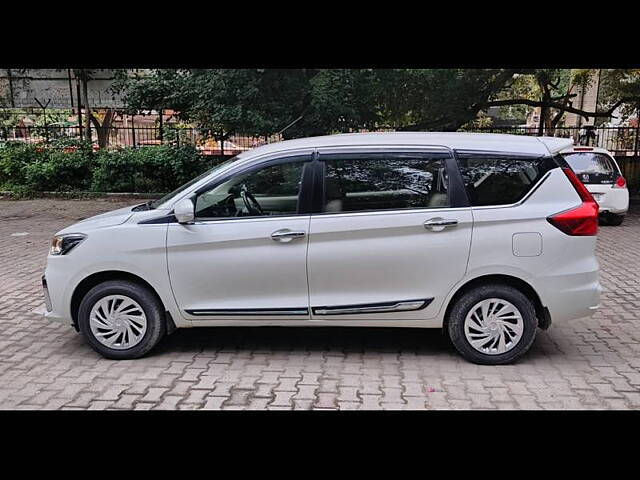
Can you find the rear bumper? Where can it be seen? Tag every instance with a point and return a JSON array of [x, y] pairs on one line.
[[571, 296], [613, 200]]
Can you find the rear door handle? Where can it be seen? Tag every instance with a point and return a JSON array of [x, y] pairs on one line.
[[438, 224], [286, 235]]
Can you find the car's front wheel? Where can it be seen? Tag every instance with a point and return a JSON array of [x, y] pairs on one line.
[[492, 324], [121, 319]]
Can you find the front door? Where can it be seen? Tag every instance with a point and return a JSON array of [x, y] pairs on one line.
[[244, 257], [391, 240]]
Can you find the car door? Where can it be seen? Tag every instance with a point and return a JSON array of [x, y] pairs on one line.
[[392, 236], [244, 256]]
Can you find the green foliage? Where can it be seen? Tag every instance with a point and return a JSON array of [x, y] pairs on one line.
[[72, 166], [616, 84], [155, 169], [260, 101], [59, 171], [437, 99], [15, 157]]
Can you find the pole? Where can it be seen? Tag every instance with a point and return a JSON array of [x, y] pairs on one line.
[[636, 147], [87, 113], [160, 125], [70, 88], [44, 114], [13, 104], [541, 122], [79, 108]]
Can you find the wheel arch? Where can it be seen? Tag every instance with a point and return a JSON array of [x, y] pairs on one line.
[[99, 277], [542, 313]]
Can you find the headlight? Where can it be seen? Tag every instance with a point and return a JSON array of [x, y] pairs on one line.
[[63, 244]]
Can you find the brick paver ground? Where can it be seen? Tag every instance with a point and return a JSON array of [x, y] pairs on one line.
[[589, 363]]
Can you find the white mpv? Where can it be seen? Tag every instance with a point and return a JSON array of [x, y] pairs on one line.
[[485, 236], [598, 170]]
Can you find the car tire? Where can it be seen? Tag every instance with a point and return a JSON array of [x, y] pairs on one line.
[[138, 326], [615, 220], [464, 324]]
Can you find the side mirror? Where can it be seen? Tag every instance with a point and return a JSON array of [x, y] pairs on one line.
[[184, 211]]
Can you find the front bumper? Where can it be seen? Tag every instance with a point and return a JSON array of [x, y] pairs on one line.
[[46, 310], [47, 298]]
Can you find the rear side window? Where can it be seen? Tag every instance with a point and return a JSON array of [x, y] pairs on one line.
[[500, 179], [592, 167], [384, 181]]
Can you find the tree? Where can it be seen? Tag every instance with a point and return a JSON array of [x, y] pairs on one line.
[[437, 99], [102, 121], [554, 91], [294, 102], [620, 88]]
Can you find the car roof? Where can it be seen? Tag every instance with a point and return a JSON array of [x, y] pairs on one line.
[[493, 142]]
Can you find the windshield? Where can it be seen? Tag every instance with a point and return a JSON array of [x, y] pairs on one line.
[[169, 196], [592, 167]]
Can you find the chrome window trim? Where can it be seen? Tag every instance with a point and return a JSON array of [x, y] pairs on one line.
[[405, 211], [248, 219]]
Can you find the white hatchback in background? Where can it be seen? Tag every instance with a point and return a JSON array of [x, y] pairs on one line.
[[598, 170], [485, 236]]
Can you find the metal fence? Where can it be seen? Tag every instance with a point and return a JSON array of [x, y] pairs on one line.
[[115, 137], [622, 141]]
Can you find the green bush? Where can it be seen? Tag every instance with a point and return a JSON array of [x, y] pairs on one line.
[[60, 171], [15, 157], [147, 170], [69, 165]]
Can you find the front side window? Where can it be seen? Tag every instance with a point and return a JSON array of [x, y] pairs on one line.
[[500, 179], [384, 181], [268, 191]]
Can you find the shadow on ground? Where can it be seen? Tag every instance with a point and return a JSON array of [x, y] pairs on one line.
[[295, 339]]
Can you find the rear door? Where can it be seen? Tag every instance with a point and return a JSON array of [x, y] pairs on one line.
[[392, 236]]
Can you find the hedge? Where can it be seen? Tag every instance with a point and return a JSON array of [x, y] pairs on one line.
[[74, 167]]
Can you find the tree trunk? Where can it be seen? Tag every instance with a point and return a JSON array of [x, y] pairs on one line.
[[103, 130]]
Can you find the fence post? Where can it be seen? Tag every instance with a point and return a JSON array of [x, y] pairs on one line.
[[637, 144], [133, 132], [79, 109], [161, 135]]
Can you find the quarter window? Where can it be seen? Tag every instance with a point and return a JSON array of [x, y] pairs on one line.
[[272, 190], [390, 181], [500, 179]]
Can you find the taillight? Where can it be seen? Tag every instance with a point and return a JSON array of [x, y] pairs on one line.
[[620, 182], [581, 220]]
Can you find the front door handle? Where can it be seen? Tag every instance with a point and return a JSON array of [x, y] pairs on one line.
[[438, 224], [286, 235]]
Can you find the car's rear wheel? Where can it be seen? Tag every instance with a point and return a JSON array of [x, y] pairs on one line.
[[492, 324], [121, 319], [614, 220]]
